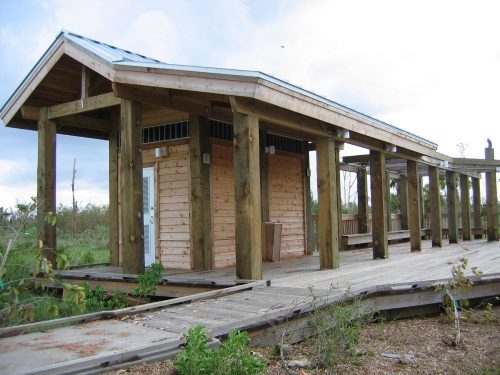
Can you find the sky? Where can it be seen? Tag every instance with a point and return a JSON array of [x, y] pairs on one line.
[[429, 67]]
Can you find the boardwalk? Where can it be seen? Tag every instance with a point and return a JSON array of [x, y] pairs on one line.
[[289, 292]]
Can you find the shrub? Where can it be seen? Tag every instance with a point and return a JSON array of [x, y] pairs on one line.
[[233, 358], [335, 330]]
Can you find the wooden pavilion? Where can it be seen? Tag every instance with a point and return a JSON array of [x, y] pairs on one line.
[[200, 157]]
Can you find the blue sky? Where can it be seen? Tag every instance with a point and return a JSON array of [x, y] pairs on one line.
[[429, 67]]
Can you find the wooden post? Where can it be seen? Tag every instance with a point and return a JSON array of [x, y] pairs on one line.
[[403, 201], [131, 187], [388, 199], [339, 194], [379, 205], [201, 213], [421, 200], [46, 185], [307, 183], [114, 246], [413, 206], [491, 199], [476, 203], [451, 200], [362, 183], [247, 196], [435, 206], [327, 204], [264, 177], [465, 203]]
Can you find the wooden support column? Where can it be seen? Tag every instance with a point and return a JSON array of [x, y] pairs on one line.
[[131, 187], [327, 204], [307, 183], [379, 205], [247, 196], [451, 200], [362, 182], [201, 213], [46, 185], [421, 201], [465, 204], [413, 206], [339, 194], [491, 199], [264, 176], [114, 244], [435, 206], [476, 204], [388, 199], [403, 201]]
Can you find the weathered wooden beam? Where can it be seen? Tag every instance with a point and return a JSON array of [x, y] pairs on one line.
[[491, 199], [131, 188], [362, 185], [388, 199], [248, 231], [435, 206], [465, 205], [165, 98], [413, 206], [46, 185], [85, 83], [308, 208], [476, 203], [421, 200], [201, 212], [264, 176], [83, 105], [403, 201], [379, 205], [114, 240], [327, 204], [30, 112], [339, 195], [451, 200]]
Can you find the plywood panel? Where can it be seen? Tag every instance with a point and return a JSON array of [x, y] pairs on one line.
[[223, 206], [286, 202]]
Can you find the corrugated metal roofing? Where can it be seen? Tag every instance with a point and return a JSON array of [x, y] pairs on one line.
[[120, 57]]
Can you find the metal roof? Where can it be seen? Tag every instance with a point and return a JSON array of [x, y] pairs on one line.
[[119, 57]]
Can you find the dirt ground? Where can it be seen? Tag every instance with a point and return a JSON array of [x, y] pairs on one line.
[[425, 342]]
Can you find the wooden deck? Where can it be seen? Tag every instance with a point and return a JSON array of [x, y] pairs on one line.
[[402, 280]]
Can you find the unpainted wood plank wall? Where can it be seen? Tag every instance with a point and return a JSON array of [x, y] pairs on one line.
[[173, 205], [286, 202], [223, 206]]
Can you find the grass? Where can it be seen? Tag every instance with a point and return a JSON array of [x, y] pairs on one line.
[[82, 238]]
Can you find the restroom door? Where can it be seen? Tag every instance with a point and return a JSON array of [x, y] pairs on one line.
[[148, 190]]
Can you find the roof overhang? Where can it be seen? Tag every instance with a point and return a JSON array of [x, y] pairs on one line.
[[251, 92]]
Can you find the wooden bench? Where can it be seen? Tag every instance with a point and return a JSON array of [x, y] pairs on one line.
[[475, 231], [366, 238]]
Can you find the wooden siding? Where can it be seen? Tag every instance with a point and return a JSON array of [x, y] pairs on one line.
[[223, 206], [286, 202], [173, 239]]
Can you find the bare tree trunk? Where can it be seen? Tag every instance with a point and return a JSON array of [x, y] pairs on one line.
[[75, 206]]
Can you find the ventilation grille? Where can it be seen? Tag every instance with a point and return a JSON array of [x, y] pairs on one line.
[[285, 144], [165, 132], [221, 130]]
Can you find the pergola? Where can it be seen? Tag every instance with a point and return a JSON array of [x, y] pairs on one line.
[[86, 88]]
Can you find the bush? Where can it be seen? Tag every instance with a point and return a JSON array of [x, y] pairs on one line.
[[336, 330], [233, 358]]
